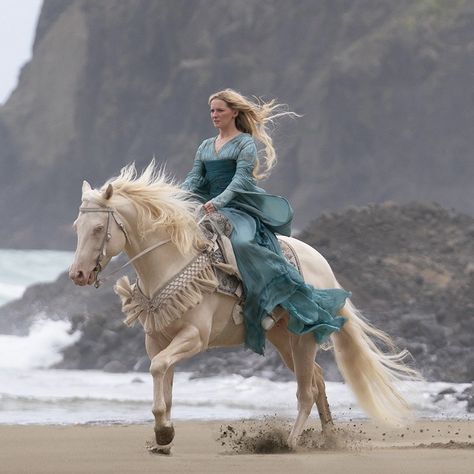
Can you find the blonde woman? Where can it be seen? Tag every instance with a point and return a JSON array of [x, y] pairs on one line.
[[224, 176]]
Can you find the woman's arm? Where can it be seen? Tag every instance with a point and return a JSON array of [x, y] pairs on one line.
[[195, 177], [243, 173]]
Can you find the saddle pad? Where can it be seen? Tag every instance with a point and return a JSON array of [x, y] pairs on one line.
[[230, 284]]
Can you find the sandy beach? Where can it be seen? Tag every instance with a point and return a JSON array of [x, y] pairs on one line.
[[242, 446]]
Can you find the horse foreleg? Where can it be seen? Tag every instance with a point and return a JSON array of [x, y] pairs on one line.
[[186, 343], [168, 391], [279, 337], [164, 429], [153, 347]]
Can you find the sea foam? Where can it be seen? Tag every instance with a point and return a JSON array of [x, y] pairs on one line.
[[71, 396], [21, 268], [40, 349]]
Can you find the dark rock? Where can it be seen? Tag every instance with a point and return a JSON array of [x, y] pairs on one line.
[[447, 391], [434, 319], [440, 395]]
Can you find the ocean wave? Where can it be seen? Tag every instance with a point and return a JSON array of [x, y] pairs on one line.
[[69, 397], [9, 291], [41, 348], [22, 268], [45, 402]]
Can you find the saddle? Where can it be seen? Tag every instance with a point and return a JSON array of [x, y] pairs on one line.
[[217, 229], [212, 270]]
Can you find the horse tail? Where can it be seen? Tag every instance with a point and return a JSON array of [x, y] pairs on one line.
[[371, 373]]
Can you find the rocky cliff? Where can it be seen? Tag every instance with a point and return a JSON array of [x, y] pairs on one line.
[[384, 88]]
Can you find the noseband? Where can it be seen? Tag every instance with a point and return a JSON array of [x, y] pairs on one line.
[[107, 236], [102, 251]]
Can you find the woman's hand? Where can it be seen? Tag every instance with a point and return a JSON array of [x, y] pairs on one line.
[[209, 208]]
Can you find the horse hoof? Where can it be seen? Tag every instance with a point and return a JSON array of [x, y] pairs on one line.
[[292, 443], [155, 449], [329, 429], [164, 435]]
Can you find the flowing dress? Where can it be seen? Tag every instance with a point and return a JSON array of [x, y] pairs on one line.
[[226, 179]]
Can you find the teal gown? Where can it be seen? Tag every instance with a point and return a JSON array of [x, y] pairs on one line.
[[226, 179]]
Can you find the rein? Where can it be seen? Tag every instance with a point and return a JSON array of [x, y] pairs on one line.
[[102, 251]]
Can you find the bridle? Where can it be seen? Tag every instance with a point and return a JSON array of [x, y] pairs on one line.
[[107, 236]]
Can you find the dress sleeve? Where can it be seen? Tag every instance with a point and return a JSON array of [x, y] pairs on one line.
[[245, 165], [196, 176]]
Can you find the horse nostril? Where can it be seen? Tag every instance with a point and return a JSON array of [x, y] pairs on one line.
[[80, 275]]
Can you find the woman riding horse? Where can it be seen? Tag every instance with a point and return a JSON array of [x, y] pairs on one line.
[[224, 175]]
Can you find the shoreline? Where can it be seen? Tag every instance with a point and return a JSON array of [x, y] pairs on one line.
[[258, 445]]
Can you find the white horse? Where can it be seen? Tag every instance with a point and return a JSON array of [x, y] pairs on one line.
[[153, 221]]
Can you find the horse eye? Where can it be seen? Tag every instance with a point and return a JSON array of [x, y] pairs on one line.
[[98, 229]]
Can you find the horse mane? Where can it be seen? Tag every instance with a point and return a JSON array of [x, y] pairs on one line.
[[159, 203]]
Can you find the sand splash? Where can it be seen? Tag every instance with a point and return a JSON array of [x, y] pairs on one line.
[[269, 436]]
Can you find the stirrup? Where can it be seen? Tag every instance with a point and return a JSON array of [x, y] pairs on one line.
[[271, 319], [268, 322]]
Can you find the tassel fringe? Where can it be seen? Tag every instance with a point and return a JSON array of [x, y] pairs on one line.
[[157, 313]]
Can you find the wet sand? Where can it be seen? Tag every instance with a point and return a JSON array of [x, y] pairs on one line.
[[255, 446]]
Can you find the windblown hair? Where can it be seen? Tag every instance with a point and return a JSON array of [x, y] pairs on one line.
[[159, 203], [254, 118]]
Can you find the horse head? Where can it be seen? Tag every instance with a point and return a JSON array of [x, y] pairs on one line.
[[100, 235], [136, 213]]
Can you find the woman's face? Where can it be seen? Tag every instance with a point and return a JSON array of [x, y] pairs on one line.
[[222, 115]]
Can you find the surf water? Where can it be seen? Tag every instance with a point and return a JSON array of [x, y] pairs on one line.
[[32, 393], [72, 397], [21, 268]]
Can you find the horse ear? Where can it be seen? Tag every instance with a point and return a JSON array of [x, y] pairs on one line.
[[85, 186], [108, 192]]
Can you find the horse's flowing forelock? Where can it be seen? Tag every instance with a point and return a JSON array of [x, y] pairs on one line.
[[159, 202]]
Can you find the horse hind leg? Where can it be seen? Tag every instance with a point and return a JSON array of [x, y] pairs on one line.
[[319, 389], [279, 337], [298, 353], [303, 349]]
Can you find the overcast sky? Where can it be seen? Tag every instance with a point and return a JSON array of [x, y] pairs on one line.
[[18, 20]]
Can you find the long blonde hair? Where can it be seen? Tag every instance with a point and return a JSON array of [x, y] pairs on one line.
[[254, 118]]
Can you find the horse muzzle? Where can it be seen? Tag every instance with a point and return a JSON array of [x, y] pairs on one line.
[[83, 278]]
